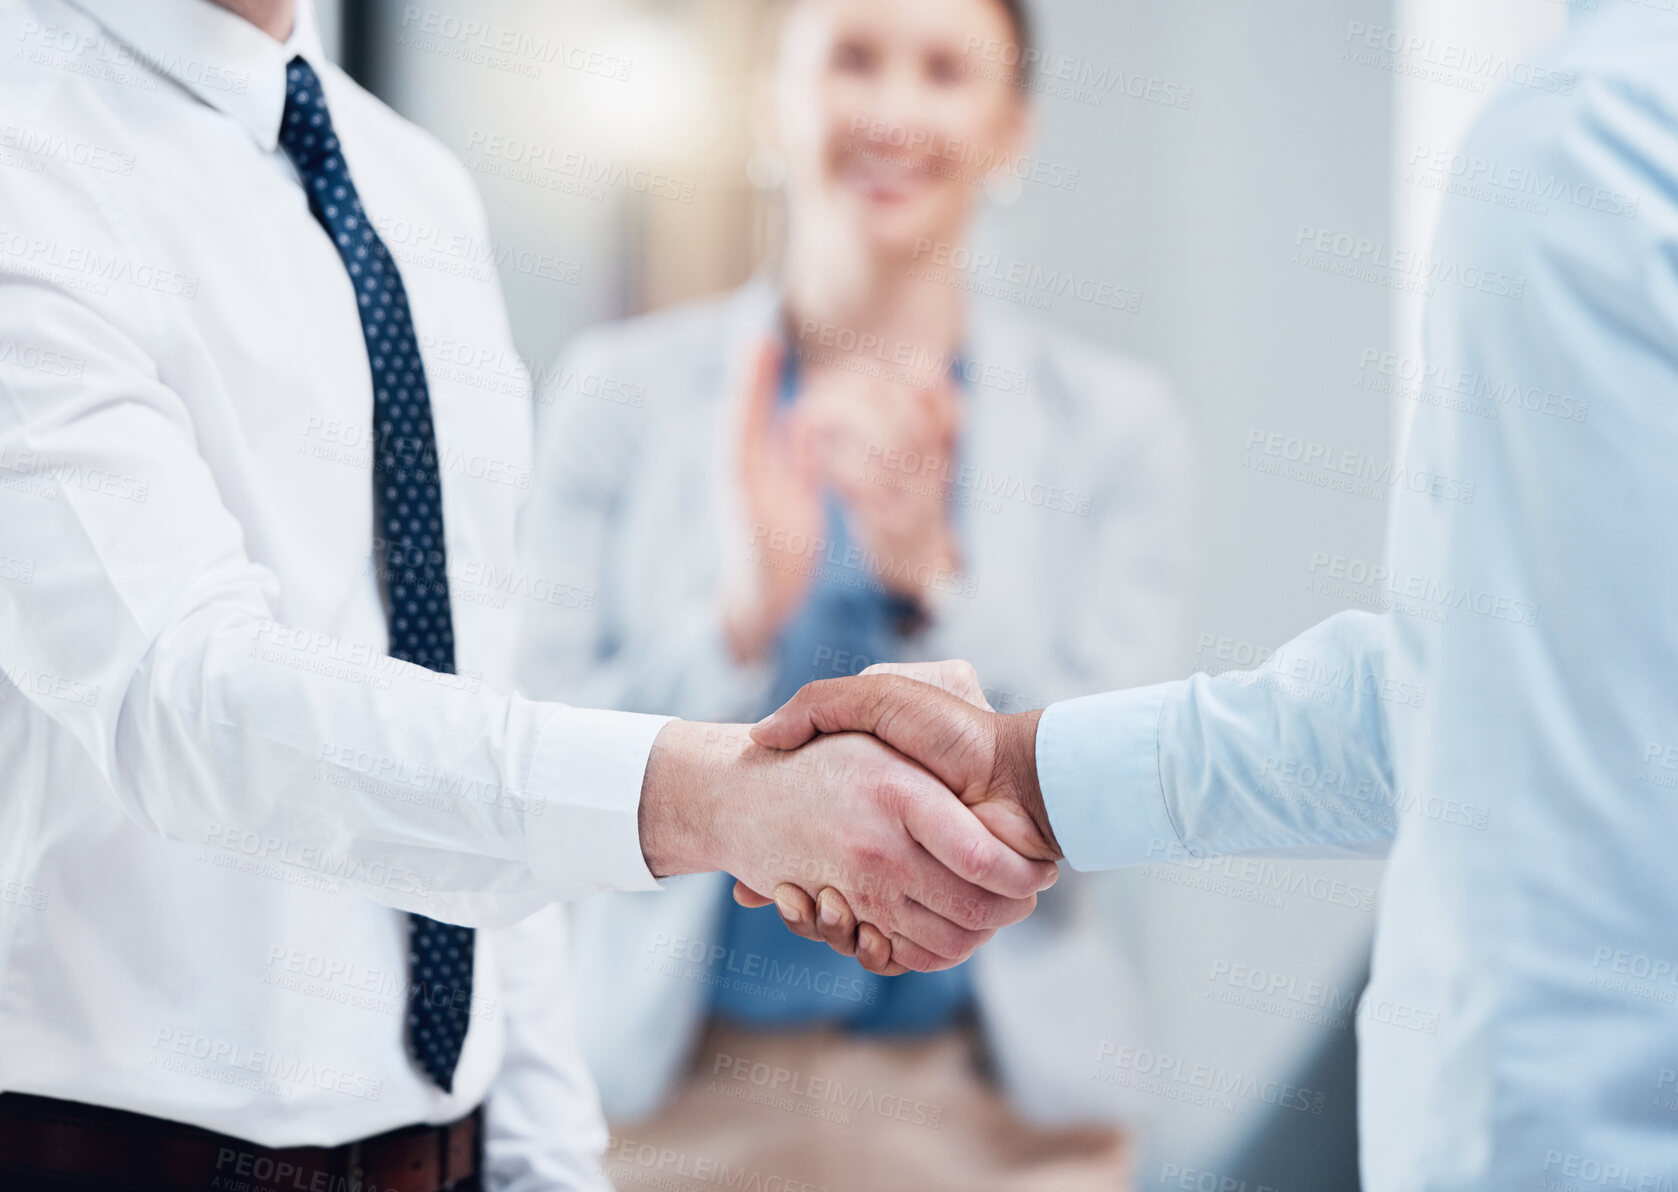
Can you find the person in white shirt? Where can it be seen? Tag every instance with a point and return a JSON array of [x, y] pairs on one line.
[[848, 464], [258, 597]]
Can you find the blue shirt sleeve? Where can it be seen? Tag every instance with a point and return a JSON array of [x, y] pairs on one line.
[[1290, 758]]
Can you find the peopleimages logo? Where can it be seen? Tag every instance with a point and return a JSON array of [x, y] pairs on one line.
[[1507, 184], [1325, 465], [50, 145], [1364, 258], [1179, 1078], [970, 161], [1071, 77], [257, 1068], [1565, 1171], [1378, 586], [483, 43], [769, 970], [1192, 1179], [1020, 281], [533, 161], [1451, 63], [1466, 390]]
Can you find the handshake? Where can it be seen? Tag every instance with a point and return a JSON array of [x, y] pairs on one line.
[[892, 815]]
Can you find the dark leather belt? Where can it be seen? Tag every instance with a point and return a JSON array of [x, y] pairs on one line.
[[62, 1144]]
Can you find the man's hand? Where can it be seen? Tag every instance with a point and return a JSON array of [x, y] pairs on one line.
[[846, 813], [988, 759]]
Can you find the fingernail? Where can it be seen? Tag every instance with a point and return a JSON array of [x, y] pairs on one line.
[[790, 911], [828, 912]]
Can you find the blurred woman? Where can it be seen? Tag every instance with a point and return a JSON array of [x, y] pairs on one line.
[[849, 462]]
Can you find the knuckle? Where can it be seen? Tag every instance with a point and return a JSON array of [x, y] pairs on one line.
[[1012, 910], [963, 909], [979, 861], [868, 893], [913, 957], [987, 913], [891, 793], [962, 944], [873, 858], [959, 902]]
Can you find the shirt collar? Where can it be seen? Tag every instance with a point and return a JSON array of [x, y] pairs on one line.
[[223, 59]]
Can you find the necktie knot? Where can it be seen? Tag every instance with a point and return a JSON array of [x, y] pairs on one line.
[[306, 132]]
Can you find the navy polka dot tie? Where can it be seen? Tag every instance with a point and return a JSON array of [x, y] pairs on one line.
[[408, 508]]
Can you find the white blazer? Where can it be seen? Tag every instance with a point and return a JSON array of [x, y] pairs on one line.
[[1076, 519]]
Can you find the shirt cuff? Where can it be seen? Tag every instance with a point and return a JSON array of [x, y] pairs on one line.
[[1098, 765], [588, 768]]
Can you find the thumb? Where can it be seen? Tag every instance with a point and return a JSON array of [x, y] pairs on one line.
[[956, 677], [943, 733], [825, 706]]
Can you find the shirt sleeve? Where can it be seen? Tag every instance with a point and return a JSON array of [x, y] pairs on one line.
[[1287, 759], [152, 639], [543, 1126]]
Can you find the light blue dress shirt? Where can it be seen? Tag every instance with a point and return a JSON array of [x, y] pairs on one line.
[[1503, 722]]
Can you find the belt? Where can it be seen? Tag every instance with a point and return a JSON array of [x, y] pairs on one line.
[[68, 1144]]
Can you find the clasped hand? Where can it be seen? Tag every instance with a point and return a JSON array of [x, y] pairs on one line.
[[937, 715], [883, 814]]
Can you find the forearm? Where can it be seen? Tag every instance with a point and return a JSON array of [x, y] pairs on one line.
[[288, 748]]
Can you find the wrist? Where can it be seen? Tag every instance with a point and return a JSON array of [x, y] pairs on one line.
[[680, 795], [1016, 770]]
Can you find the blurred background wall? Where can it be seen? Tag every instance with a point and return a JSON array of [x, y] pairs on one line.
[[1202, 146]]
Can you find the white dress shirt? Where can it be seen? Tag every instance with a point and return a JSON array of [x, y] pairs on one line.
[[1504, 719], [218, 796], [1074, 463]]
